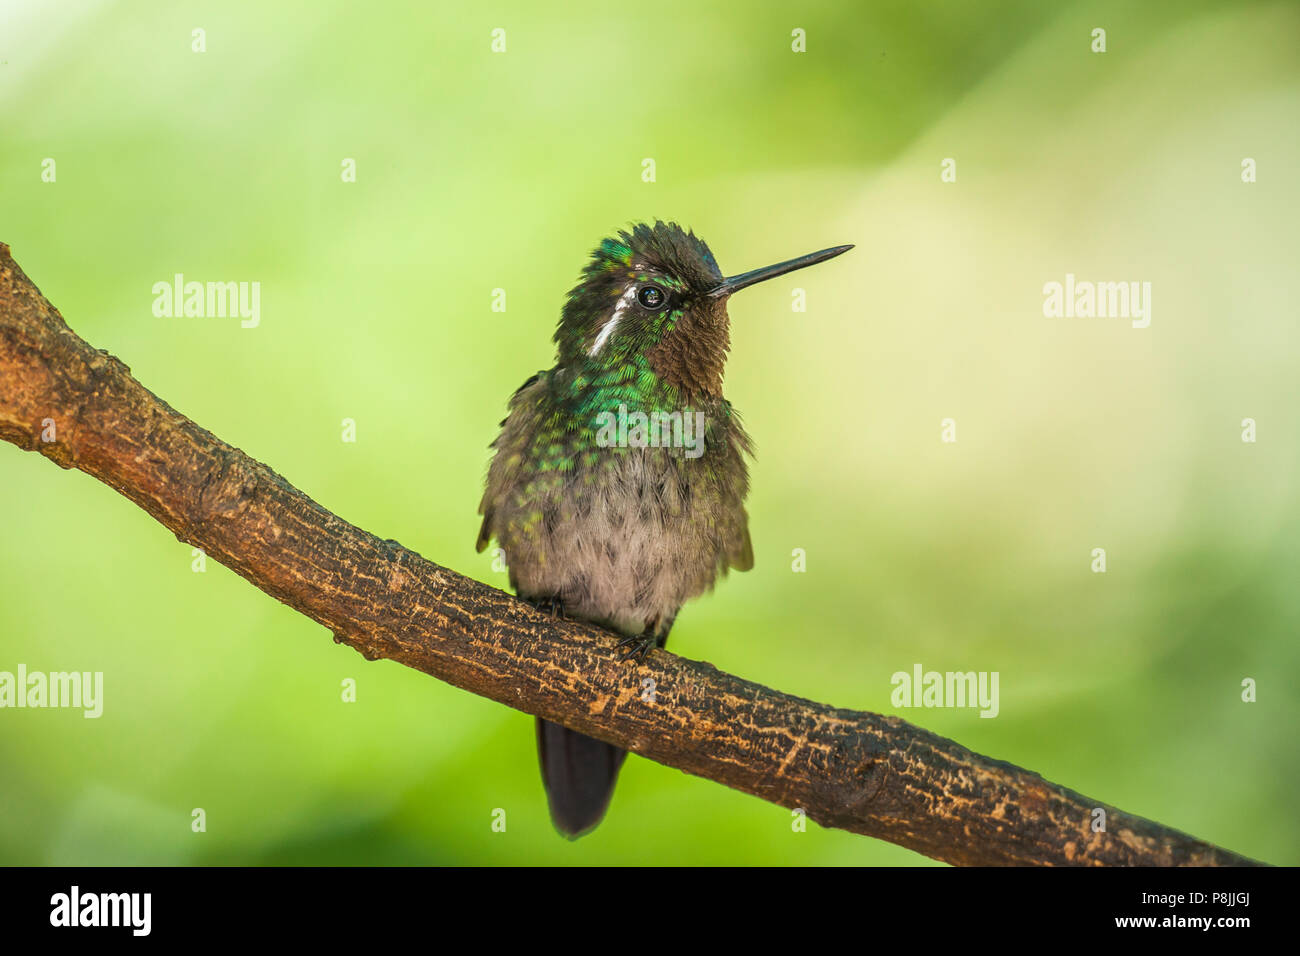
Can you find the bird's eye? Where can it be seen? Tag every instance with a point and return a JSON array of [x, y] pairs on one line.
[[651, 297]]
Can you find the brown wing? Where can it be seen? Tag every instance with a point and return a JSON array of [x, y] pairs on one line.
[[734, 487], [511, 445]]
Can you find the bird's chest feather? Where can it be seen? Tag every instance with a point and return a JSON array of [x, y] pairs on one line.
[[624, 535]]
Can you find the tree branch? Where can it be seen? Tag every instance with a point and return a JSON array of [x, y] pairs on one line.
[[858, 771]]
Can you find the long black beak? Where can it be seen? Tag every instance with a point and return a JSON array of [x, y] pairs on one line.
[[736, 283]]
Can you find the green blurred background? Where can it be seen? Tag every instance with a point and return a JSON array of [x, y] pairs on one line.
[[479, 170]]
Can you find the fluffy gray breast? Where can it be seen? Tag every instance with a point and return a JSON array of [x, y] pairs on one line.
[[629, 537]]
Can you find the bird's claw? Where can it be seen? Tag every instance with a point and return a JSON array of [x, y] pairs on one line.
[[553, 606], [637, 646]]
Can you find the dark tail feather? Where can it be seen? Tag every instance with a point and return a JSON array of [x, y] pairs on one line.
[[579, 773]]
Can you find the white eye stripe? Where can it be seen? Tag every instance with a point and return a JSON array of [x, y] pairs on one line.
[[607, 329]]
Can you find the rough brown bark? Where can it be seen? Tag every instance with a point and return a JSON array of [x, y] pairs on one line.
[[858, 771]]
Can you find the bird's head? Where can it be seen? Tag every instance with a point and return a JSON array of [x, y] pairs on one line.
[[654, 298]]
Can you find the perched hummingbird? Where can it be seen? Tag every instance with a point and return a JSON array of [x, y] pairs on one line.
[[618, 484]]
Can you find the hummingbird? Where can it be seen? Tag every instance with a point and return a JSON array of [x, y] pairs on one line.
[[617, 484]]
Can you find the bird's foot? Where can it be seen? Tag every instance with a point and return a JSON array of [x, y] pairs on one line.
[[553, 606], [637, 646]]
